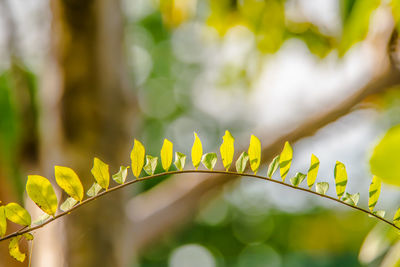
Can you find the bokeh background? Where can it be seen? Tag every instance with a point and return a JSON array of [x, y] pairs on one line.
[[80, 79]]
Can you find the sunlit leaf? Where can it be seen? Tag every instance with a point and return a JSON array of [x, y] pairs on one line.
[[3, 221], [351, 199], [340, 175], [151, 164], [273, 166], [297, 179], [68, 204], [322, 187], [379, 213], [69, 181], [209, 160], [242, 162], [17, 214], [28, 236], [94, 190], [101, 173], [42, 218], [41, 191], [396, 218], [374, 192], [254, 153], [384, 161], [14, 251], [285, 160], [227, 149], [120, 176], [312, 171], [180, 160], [166, 154], [197, 151], [137, 158]]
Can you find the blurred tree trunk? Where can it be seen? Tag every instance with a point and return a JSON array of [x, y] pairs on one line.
[[86, 105]]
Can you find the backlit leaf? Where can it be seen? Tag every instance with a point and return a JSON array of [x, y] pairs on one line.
[[14, 251], [68, 204], [297, 179], [69, 181], [396, 218], [101, 173], [137, 158], [241, 162], [42, 218], [94, 190], [3, 221], [351, 199], [197, 151], [285, 160], [209, 160], [41, 191], [322, 187], [379, 213], [273, 166], [17, 214], [374, 192], [340, 175], [28, 236], [254, 153], [180, 160], [151, 165], [120, 176], [312, 171], [167, 154], [227, 149]]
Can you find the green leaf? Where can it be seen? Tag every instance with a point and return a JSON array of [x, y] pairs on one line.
[[180, 160], [94, 190], [396, 218], [322, 187], [42, 219], [254, 153], [41, 191], [351, 199], [285, 160], [69, 181], [374, 192], [101, 173], [297, 179], [197, 151], [137, 158], [14, 251], [17, 214], [151, 165], [120, 176], [384, 161], [379, 213], [273, 166], [68, 204], [209, 160], [340, 175], [3, 221], [242, 162], [166, 154], [227, 149], [312, 171]]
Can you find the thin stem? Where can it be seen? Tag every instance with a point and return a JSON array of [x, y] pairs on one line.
[[23, 231]]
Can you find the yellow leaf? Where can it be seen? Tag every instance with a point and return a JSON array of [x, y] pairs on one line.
[[312, 171], [101, 173], [166, 154], [396, 218], [41, 191], [197, 151], [340, 178], [69, 181], [13, 249], [254, 153], [17, 214], [3, 222], [374, 191], [137, 158], [227, 149], [285, 160]]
